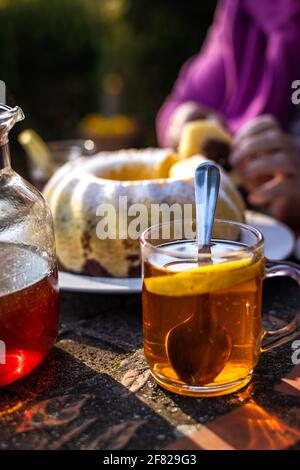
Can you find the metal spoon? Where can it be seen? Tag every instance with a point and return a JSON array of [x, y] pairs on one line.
[[207, 184], [199, 347]]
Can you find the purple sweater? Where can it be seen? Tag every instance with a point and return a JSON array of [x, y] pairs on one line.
[[246, 66]]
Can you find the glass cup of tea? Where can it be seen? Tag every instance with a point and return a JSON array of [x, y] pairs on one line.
[[202, 314]]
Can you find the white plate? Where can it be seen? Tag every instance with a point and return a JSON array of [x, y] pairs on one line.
[[103, 285], [279, 238], [279, 244]]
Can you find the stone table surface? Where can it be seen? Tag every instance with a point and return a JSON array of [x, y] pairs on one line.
[[94, 390]]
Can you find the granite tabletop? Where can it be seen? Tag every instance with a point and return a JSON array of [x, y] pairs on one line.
[[94, 391]]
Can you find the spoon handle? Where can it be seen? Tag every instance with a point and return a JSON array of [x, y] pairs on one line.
[[207, 183]]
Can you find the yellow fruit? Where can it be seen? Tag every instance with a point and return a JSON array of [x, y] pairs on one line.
[[204, 279], [122, 124], [95, 124]]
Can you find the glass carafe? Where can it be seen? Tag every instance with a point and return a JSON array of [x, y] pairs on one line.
[[28, 271]]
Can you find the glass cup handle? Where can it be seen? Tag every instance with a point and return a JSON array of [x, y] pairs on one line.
[[274, 338]]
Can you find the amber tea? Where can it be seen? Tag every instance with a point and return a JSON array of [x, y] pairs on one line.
[[202, 322], [28, 309]]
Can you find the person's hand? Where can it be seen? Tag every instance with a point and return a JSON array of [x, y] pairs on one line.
[[187, 112], [268, 165]]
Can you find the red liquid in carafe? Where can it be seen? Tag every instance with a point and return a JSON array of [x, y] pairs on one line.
[[29, 310]]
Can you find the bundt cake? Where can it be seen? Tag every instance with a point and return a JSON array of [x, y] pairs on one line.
[[78, 190]]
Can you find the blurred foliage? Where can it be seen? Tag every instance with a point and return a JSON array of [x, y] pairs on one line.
[[60, 57], [50, 52], [146, 42]]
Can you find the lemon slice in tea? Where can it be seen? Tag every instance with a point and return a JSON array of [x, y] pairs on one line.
[[205, 279]]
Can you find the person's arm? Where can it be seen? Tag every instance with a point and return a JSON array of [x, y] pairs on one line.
[[197, 92]]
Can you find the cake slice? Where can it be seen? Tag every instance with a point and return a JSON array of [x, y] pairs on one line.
[[208, 138]]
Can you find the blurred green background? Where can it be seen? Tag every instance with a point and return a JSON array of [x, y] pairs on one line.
[[62, 59]]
